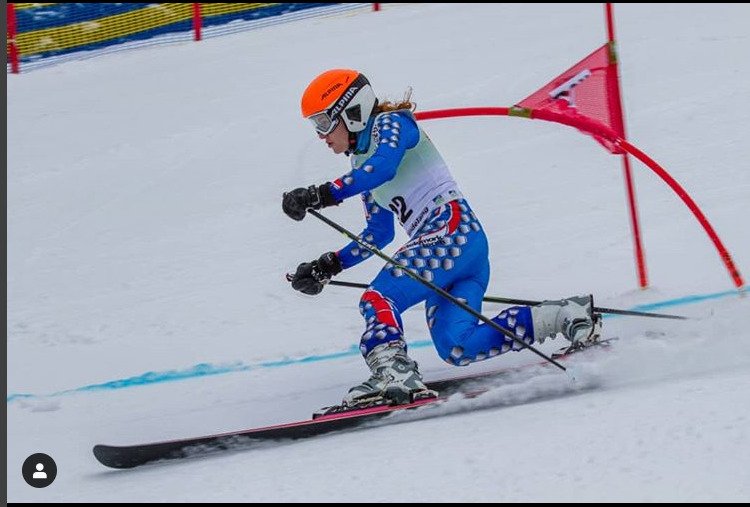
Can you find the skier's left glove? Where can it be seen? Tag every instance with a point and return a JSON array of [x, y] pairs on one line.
[[296, 202], [312, 276]]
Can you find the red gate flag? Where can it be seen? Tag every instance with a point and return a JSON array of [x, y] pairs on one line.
[[589, 88]]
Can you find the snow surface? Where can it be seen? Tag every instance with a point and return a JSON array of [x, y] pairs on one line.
[[145, 239]]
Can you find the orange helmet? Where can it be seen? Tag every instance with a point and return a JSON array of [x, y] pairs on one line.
[[337, 94]]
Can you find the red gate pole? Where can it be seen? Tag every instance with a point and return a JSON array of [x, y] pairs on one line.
[[619, 120], [596, 127], [197, 21], [375, 7], [12, 46]]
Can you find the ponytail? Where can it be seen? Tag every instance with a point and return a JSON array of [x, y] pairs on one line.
[[405, 103]]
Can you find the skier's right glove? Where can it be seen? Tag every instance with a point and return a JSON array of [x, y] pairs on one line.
[[295, 203], [312, 276]]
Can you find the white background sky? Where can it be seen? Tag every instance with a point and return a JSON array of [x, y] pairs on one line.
[[145, 234]]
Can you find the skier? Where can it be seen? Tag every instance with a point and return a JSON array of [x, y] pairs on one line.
[[398, 173]]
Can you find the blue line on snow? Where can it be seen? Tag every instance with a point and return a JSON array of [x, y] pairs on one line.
[[205, 369], [688, 299]]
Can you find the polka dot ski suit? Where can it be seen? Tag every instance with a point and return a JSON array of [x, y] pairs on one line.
[[399, 174]]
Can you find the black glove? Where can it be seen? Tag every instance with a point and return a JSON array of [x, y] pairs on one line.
[[296, 202], [312, 276]]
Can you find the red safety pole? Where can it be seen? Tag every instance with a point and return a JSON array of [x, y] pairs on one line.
[[197, 21], [375, 7], [12, 46], [592, 126], [619, 123], [664, 175], [610, 23]]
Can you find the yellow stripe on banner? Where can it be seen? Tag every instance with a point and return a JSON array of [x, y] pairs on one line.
[[218, 9], [119, 25], [18, 7], [102, 29]]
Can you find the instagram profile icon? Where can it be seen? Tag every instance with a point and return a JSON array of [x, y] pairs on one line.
[[39, 470]]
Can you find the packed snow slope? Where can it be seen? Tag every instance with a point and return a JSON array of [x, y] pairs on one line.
[[147, 251]]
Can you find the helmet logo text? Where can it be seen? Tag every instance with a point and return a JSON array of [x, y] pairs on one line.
[[343, 101], [330, 90]]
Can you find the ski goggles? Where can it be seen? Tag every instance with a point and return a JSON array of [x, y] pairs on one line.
[[324, 125]]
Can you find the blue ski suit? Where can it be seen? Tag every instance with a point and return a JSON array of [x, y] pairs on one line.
[[399, 174]]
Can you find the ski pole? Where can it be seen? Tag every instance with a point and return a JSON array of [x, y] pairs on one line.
[[434, 287], [512, 301]]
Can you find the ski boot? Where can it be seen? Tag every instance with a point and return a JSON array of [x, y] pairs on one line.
[[574, 317], [395, 379]]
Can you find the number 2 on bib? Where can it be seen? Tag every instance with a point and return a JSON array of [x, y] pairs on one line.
[[398, 206]]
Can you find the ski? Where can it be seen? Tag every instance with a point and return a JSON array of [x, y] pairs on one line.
[[329, 420]]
